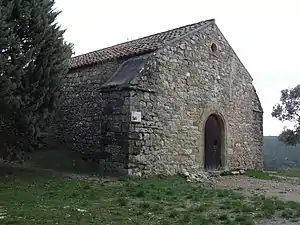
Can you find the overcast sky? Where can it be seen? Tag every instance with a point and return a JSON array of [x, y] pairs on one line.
[[265, 34]]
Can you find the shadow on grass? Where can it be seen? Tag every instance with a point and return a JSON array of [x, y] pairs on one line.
[[63, 161]]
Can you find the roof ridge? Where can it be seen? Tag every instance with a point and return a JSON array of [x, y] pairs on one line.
[[126, 42], [140, 45], [191, 32]]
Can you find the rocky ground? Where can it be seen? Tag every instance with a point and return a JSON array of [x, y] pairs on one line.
[[282, 187], [285, 189]]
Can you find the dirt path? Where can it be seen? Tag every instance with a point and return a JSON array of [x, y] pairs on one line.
[[284, 189], [287, 189]]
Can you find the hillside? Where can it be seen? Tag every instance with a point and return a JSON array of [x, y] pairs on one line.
[[279, 156]]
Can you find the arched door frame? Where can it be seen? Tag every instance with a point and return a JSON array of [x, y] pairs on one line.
[[221, 119]]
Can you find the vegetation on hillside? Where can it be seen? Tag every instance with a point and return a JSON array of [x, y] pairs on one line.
[[279, 156], [33, 59]]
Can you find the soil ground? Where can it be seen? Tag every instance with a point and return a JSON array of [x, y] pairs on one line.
[[284, 188]]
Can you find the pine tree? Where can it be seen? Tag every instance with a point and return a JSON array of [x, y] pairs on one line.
[[34, 58]]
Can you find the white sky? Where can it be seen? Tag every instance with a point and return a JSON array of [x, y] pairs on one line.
[[265, 34]]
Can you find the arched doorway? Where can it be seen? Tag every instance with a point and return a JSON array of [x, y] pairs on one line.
[[214, 138]]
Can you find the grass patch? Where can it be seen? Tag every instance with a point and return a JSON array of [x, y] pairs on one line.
[[289, 173], [32, 198], [259, 175]]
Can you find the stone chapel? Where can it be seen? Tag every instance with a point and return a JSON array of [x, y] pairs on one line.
[[179, 99]]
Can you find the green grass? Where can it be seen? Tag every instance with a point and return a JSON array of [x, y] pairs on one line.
[[31, 197], [289, 173], [260, 175], [268, 176]]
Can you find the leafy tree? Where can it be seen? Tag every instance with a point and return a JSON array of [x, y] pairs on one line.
[[289, 110], [33, 59]]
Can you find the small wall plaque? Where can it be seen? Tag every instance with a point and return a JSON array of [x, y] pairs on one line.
[[136, 117]]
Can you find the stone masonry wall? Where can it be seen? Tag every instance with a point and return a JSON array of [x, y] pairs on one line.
[[258, 137], [114, 130], [145, 137], [188, 82], [79, 126]]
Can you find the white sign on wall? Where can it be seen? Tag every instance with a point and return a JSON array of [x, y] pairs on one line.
[[136, 117]]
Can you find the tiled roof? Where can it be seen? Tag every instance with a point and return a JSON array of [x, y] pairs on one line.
[[135, 47]]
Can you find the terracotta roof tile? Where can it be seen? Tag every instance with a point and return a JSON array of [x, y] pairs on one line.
[[134, 47]]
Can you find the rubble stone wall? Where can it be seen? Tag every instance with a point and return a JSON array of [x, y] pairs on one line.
[[189, 80]]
